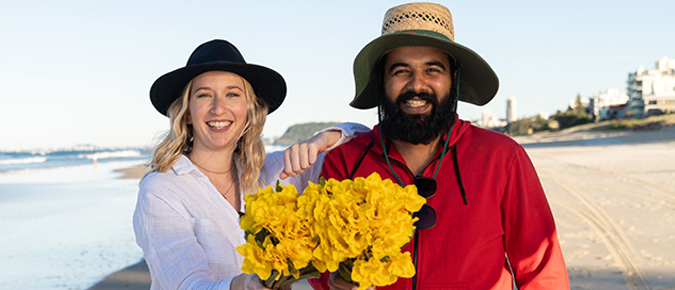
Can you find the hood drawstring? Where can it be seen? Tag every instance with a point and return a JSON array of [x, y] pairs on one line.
[[454, 146], [459, 176], [358, 164]]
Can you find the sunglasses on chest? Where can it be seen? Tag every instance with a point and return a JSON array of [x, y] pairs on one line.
[[426, 187]]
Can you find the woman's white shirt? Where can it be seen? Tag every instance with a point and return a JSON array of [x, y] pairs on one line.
[[187, 230]]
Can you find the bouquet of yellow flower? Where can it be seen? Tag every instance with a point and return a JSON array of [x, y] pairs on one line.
[[278, 245], [356, 228]]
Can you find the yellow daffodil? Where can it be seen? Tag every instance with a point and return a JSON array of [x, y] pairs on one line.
[[361, 224]]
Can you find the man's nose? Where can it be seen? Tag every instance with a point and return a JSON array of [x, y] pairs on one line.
[[417, 83]]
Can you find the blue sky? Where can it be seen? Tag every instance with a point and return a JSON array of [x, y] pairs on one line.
[[76, 72]]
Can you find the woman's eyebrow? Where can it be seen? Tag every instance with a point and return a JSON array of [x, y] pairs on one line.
[[234, 87]]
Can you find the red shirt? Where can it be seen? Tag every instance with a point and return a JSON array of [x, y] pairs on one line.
[[507, 214]]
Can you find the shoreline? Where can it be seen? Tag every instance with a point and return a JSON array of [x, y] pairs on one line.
[[133, 172], [82, 216], [581, 234], [135, 276]]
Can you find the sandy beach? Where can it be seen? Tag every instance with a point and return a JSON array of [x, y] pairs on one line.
[[134, 172], [613, 197]]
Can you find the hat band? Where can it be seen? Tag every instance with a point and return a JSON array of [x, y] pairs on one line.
[[426, 33]]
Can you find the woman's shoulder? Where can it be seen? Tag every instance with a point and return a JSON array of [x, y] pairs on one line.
[[162, 183], [157, 178], [179, 173]]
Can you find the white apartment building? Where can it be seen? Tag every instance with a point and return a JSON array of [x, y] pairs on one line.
[[511, 114], [488, 120], [652, 90], [604, 104]]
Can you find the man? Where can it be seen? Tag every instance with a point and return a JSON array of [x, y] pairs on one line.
[[488, 225]]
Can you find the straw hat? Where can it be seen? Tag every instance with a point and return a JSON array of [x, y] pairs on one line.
[[422, 24], [218, 55]]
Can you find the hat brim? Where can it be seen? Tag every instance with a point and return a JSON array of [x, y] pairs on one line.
[[478, 82], [266, 83]]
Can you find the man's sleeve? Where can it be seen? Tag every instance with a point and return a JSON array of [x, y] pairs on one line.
[[530, 236], [335, 165]]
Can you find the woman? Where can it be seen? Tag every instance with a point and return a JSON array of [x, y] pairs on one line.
[[187, 213]]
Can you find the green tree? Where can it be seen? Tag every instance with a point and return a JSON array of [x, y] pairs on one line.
[[575, 115], [301, 132], [527, 126], [579, 109]]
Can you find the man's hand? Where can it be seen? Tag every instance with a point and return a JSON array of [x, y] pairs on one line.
[[335, 282], [247, 282], [301, 156]]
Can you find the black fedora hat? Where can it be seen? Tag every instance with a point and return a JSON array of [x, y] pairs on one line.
[[218, 55]]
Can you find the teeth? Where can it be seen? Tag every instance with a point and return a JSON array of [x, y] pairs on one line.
[[415, 103], [219, 125]]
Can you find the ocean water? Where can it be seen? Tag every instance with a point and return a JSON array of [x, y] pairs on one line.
[[65, 222], [82, 155]]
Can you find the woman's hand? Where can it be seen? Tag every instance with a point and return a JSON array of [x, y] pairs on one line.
[[335, 282], [300, 156], [247, 282]]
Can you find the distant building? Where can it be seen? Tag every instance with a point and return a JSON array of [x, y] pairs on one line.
[[267, 140], [613, 112], [612, 98], [511, 114], [543, 115], [488, 120], [585, 102], [652, 91]]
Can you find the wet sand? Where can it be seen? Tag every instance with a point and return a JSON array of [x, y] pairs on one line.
[[613, 197], [134, 277], [134, 172]]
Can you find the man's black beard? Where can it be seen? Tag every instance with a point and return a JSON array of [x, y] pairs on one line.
[[416, 128]]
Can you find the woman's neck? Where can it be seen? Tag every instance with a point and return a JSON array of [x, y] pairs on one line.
[[217, 161]]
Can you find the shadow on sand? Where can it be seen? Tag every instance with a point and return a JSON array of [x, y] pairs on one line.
[[134, 277]]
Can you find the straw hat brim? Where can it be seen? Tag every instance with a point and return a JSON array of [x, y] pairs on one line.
[[266, 83], [478, 82]]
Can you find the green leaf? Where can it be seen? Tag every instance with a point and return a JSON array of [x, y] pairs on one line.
[[278, 187], [322, 181], [345, 271]]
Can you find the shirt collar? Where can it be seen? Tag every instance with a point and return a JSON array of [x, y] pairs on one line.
[[183, 166]]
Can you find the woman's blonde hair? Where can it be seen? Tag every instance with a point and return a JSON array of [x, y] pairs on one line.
[[179, 139]]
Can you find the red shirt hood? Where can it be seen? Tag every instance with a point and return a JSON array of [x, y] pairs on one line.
[[460, 127]]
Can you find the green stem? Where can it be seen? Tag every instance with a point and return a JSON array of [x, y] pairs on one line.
[[305, 273], [345, 270]]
